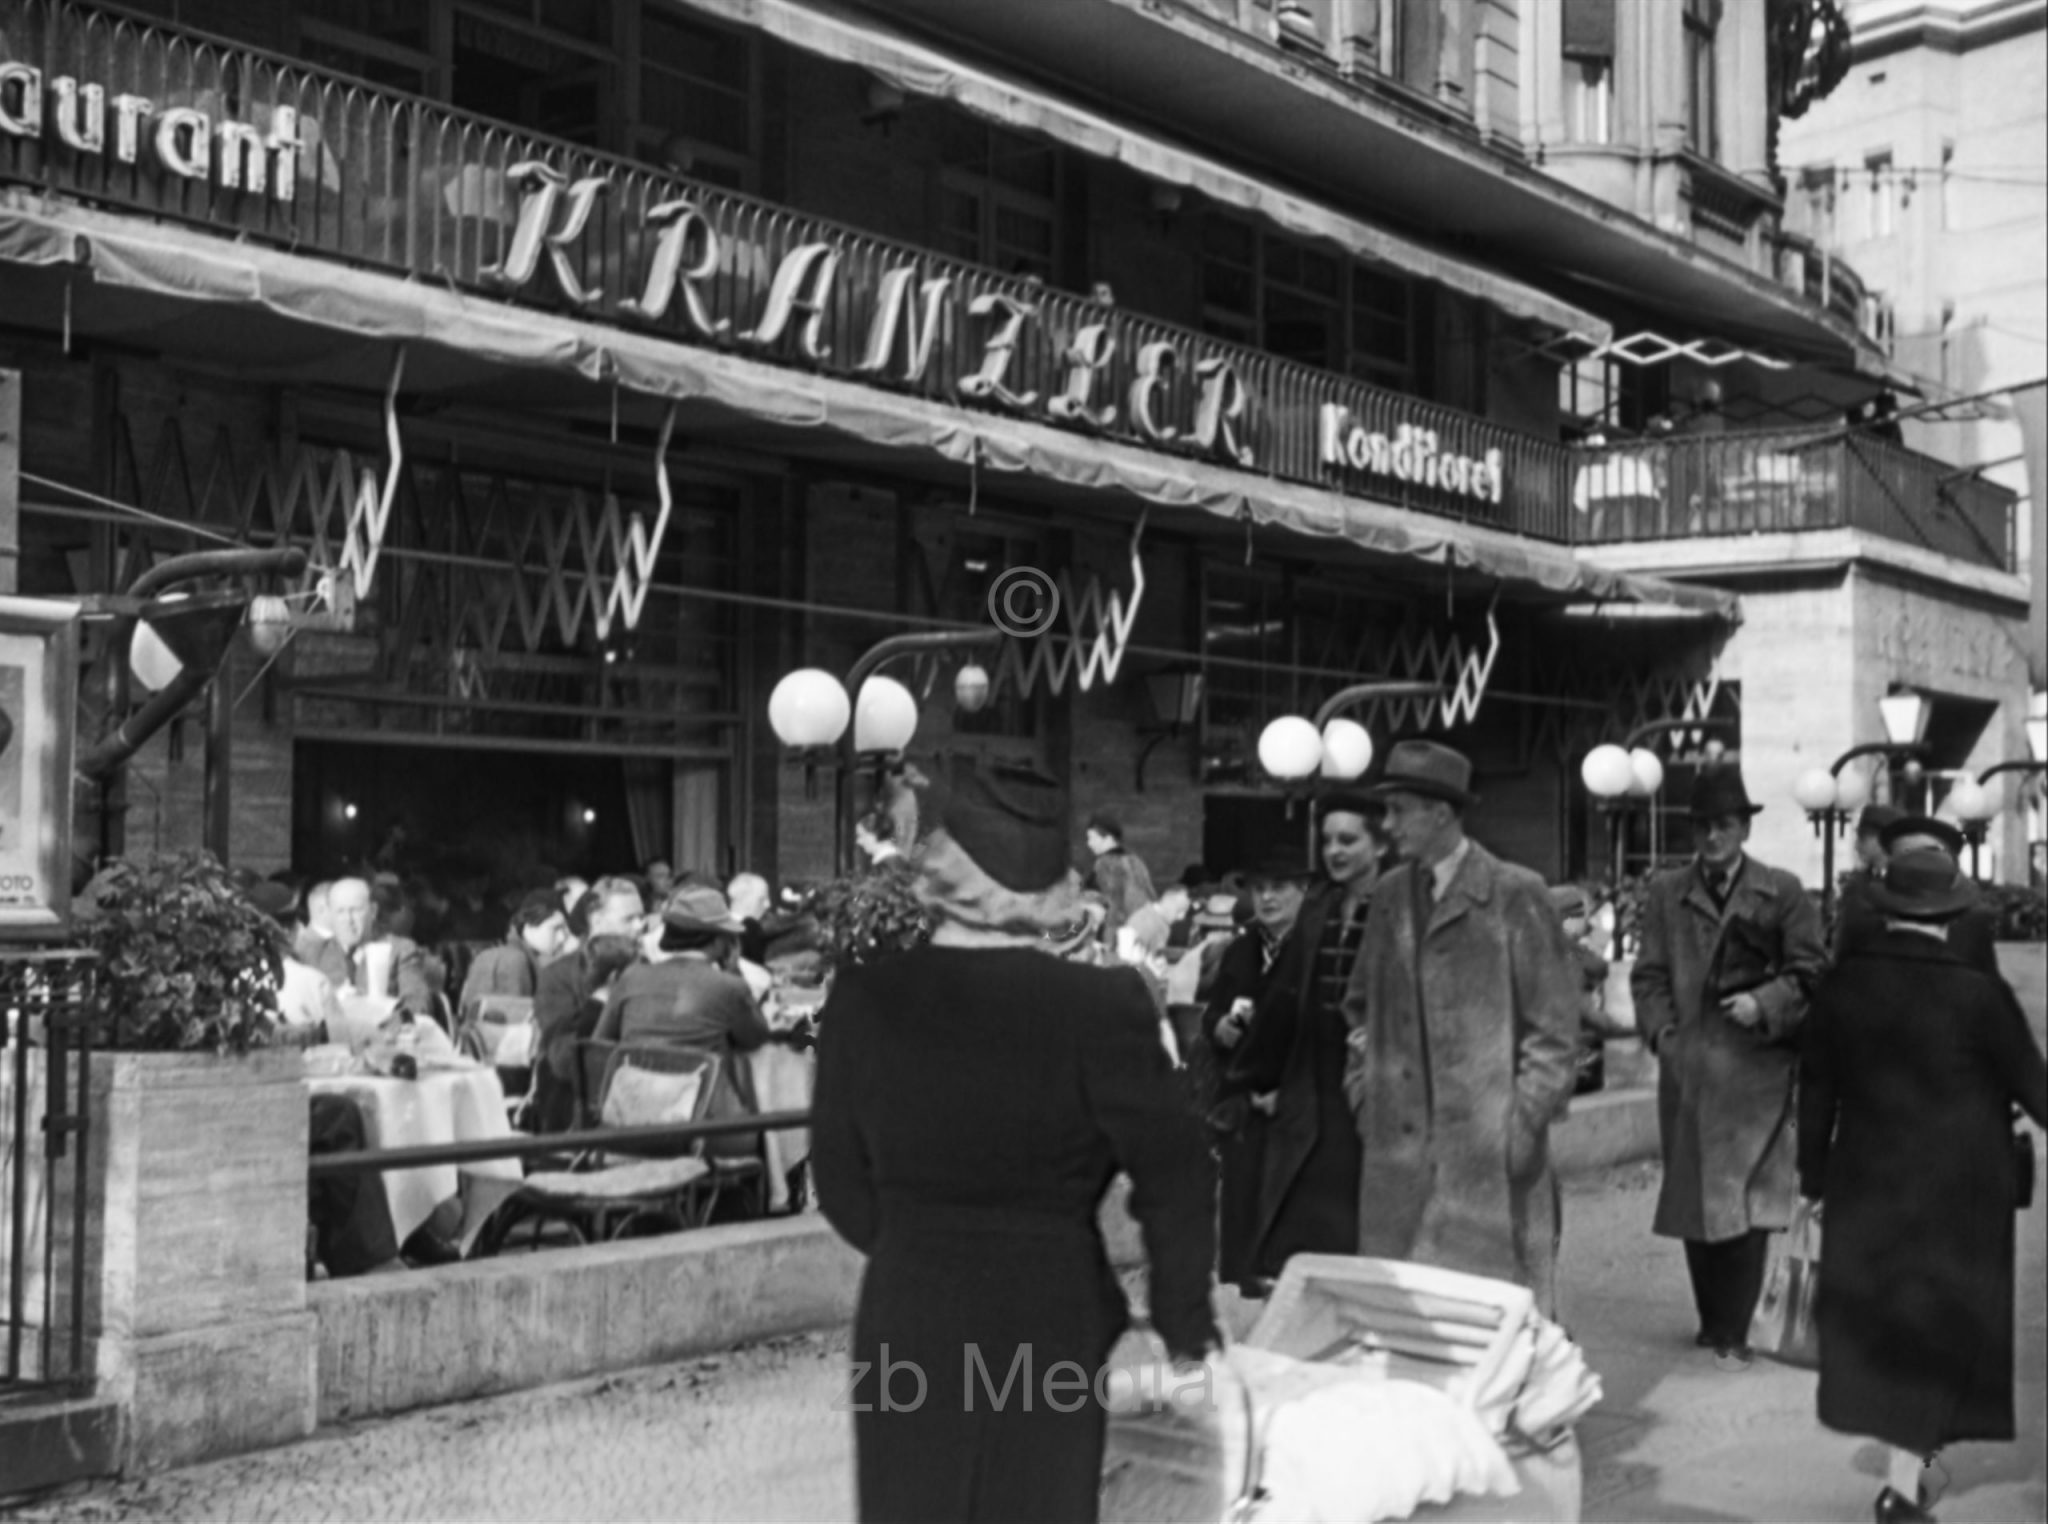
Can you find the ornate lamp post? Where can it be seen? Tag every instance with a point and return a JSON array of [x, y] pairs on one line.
[[1624, 779], [1830, 799], [1976, 804], [812, 715]]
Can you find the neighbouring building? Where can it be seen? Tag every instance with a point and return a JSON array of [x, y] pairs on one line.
[[613, 358], [1928, 170]]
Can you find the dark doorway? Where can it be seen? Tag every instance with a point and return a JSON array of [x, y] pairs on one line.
[[513, 815]]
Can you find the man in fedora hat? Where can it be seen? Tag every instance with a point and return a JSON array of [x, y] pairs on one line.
[[1295, 1051], [1972, 935], [1730, 949], [1464, 1010]]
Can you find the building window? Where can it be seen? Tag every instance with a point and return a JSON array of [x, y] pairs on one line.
[[548, 65], [1589, 70], [386, 42], [1302, 303], [1702, 78], [1881, 198], [699, 104], [998, 198], [1599, 395]]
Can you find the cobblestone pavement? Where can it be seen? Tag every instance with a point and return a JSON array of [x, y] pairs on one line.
[[753, 1434]]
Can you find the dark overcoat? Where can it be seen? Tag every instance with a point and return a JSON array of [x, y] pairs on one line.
[[1911, 1064], [1973, 935], [1308, 1174], [1466, 1031], [972, 1107], [1724, 1091]]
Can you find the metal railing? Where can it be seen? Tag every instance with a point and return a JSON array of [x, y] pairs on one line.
[[1824, 278], [611, 1140], [46, 1014], [390, 181], [1761, 482]]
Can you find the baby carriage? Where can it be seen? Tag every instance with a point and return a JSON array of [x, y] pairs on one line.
[[1367, 1390]]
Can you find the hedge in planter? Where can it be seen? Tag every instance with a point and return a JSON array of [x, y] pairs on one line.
[[186, 962]]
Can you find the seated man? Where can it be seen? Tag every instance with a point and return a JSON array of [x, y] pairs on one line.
[[336, 940], [610, 913]]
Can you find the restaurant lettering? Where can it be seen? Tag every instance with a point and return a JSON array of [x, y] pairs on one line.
[[183, 140]]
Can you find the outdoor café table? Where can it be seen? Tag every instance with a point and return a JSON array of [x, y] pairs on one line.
[[451, 1102]]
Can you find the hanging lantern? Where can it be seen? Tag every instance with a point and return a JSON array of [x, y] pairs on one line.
[[153, 663], [1290, 748], [1347, 750], [971, 688], [270, 624], [885, 718], [809, 708]]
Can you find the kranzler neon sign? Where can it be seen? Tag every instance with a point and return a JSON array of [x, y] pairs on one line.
[[183, 140]]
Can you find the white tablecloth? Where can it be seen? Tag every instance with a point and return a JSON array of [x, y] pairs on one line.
[[441, 1106], [783, 1081]]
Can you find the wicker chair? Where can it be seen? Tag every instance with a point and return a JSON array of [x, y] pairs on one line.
[[599, 1196]]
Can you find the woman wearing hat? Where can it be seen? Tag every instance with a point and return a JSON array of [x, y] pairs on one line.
[[1276, 882], [1910, 1064], [688, 994], [1298, 1047], [975, 1097]]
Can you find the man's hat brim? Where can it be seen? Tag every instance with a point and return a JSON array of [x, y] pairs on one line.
[[1428, 788], [1941, 905]]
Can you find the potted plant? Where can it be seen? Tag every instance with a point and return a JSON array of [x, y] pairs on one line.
[[196, 1153], [871, 914]]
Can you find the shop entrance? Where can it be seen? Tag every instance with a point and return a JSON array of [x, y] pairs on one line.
[[515, 815]]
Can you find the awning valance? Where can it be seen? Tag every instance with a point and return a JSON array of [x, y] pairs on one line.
[[169, 267], [820, 29]]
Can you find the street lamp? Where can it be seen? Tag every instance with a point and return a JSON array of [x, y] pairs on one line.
[[1831, 800], [1977, 803], [1294, 749], [811, 715], [1624, 778]]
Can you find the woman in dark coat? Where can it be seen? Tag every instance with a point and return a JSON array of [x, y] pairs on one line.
[[1245, 975], [1911, 1063], [975, 1098], [1298, 1048]]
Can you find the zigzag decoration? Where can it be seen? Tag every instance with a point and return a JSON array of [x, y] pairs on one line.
[[370, 510], [1427, 655], [1099, 626]]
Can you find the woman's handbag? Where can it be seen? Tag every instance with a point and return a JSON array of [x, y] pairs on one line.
[[1783, 1325]]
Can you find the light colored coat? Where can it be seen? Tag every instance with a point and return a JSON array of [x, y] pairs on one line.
[[1724, 1092], [1464, 1047]]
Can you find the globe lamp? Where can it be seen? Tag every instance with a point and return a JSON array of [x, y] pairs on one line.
[[885, 718], [1646, 772], [1290, 748], [1607, 772], [809, 709], [1814, 790], [1347, 750]]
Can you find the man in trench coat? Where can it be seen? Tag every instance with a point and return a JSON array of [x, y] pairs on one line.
[[1730, 948], [1464, 1008]]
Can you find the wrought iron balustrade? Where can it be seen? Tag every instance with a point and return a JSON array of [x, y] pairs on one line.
[[1764, 482], [391, 182]]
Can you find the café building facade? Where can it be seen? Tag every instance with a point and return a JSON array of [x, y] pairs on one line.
[[612, 360]]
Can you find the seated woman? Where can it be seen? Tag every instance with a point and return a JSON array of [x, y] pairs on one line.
[[687, 994], [538, 935]]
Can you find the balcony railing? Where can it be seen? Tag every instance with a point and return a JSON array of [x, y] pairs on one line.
[[1821, 277], [392, 182], [1755, 483]]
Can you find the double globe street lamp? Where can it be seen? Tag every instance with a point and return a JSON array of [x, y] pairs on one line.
[[1976, 802], [813, 716], [1625, 778], [1831, 797]]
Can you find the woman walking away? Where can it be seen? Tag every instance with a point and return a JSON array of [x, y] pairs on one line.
[[1911, 1064], [975, 1097]]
